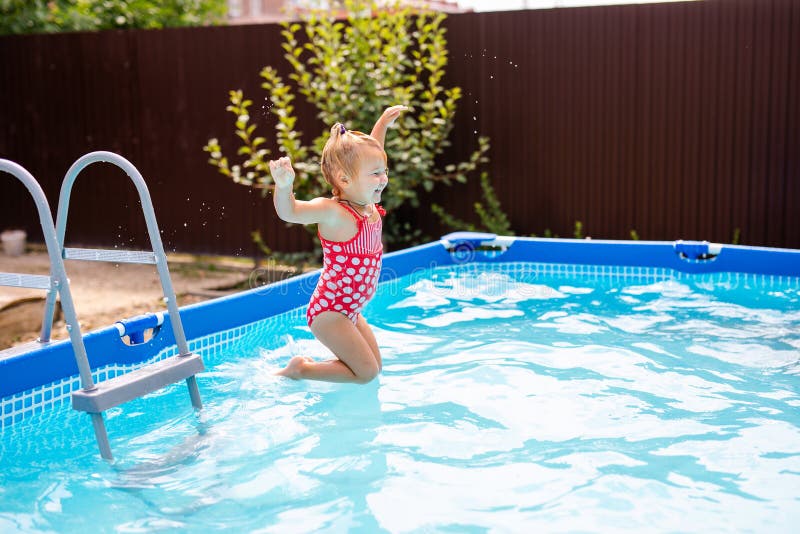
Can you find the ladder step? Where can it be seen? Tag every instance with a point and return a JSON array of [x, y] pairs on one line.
[[111, 256], [138, 383], [32, 281]]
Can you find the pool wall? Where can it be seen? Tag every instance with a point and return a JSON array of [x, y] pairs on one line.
[[31, 381]]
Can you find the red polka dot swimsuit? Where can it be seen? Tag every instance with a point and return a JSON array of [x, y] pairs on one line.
[[350, 270]]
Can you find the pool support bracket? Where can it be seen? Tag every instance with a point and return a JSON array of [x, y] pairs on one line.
[[464, 245], [696, 251]]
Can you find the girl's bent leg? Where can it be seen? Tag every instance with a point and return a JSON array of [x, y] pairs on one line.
[[369, 336], [356, 361]]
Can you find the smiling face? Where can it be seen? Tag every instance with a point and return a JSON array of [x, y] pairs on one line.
[[371, 179]]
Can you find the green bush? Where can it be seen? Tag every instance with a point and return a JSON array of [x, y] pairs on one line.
[[490, 213], [350, 71], [50, 16]]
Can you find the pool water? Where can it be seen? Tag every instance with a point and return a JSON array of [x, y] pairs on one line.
[[514, 397]]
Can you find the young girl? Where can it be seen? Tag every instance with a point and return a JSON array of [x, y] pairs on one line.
[[349, 228]]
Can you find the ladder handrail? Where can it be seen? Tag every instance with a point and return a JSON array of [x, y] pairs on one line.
[[58, 274], [60, 284], [152, 230]]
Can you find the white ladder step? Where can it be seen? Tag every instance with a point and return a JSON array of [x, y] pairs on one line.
[[135, 384], [111, 256], [32, 281]]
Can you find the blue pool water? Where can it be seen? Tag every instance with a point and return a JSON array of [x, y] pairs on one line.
[[514, 397]]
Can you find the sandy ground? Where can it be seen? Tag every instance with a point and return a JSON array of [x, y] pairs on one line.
[[104, 293]]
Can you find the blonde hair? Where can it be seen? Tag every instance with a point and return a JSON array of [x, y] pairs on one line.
[[342, 154]]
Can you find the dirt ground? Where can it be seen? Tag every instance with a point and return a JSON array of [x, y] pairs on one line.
[[104, 293]]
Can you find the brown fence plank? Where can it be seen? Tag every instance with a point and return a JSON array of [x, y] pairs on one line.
[[724, 95], [791, 196], [743, 125], [760, 124], [625, 142], [697, 99], [778, 96]]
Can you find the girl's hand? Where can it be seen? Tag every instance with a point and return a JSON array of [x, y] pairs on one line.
[[385, 120], [282, 172], [391, 114]]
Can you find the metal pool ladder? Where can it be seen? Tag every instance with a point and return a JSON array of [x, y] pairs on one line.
[[95, 398]]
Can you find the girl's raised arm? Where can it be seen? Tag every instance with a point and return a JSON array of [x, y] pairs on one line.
[[319, 210], [384, 121]]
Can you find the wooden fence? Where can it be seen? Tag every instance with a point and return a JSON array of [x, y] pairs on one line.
[[676, 120]]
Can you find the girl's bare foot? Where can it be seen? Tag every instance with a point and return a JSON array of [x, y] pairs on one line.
[[294, 369]]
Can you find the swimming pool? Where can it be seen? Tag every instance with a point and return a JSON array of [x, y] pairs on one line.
[[561, 385]]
